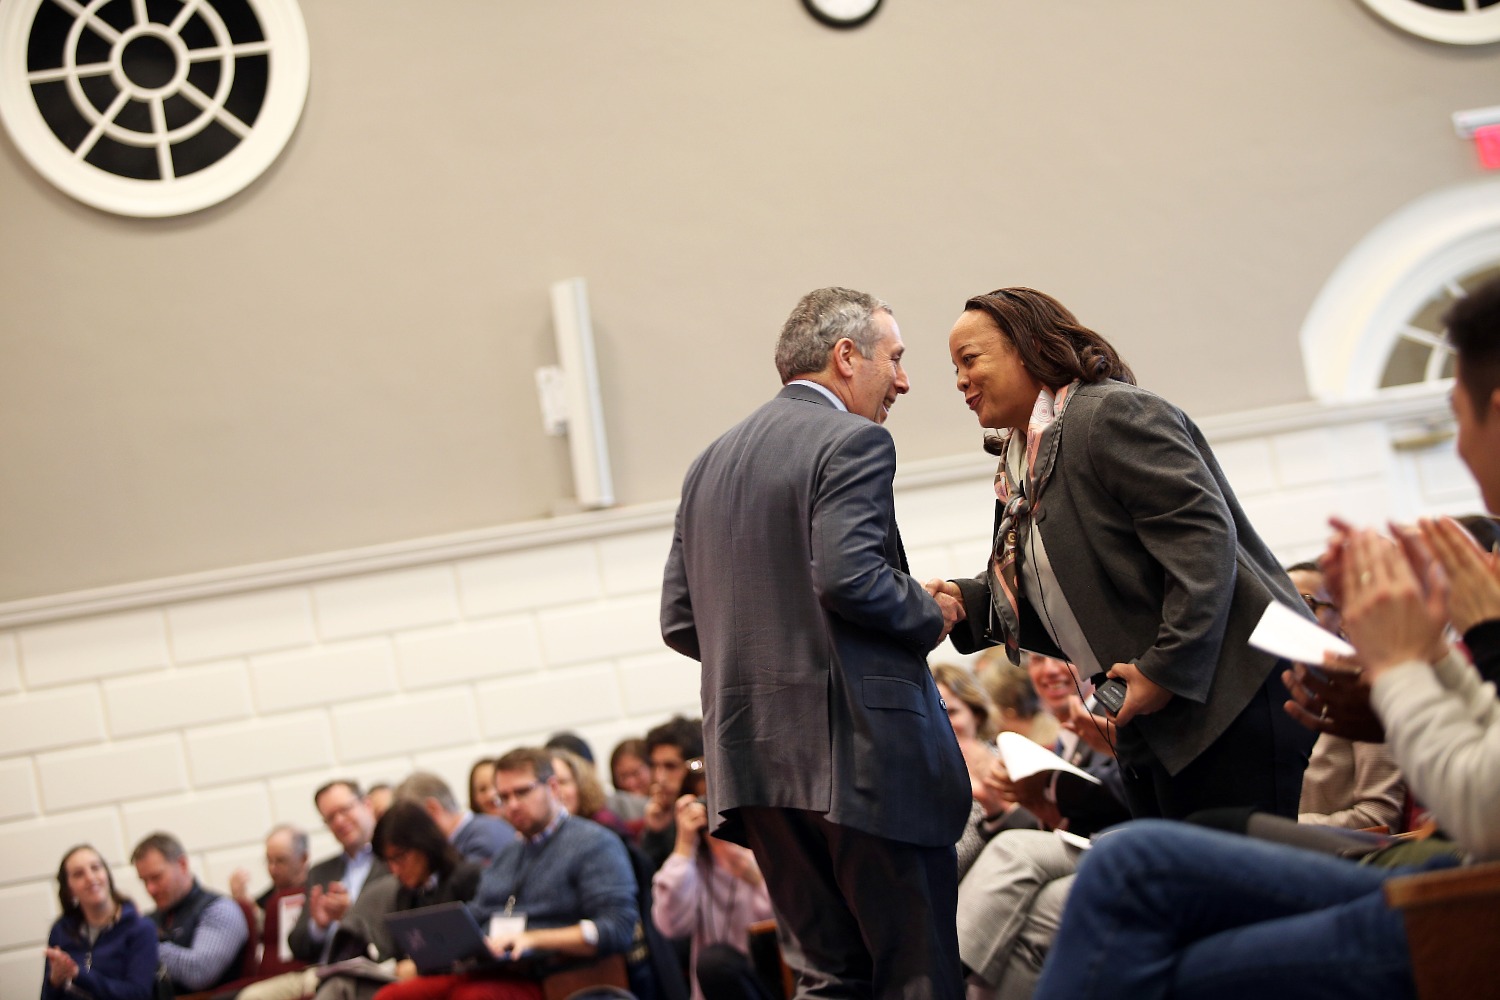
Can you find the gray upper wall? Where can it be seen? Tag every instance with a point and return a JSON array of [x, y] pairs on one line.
[[342, 354]]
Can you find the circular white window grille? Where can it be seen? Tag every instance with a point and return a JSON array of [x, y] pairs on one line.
[[1457, 22], [1376, 325], [152, 107]]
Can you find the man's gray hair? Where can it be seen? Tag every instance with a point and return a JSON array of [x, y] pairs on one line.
[[426, 785], [296, 834], [822, 319]]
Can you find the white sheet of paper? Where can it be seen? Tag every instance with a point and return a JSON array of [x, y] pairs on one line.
[[1073, 840], [288, 908], [1024, 758], [1287, 634]]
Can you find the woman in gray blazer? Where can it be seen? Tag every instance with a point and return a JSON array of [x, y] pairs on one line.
[[1120, 546]]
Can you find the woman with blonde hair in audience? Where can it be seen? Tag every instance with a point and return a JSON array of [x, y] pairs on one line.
[[100, 947], [579, 791]]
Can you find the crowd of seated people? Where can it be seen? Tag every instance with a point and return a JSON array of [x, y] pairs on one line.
[[420, 847], [1061, 894]]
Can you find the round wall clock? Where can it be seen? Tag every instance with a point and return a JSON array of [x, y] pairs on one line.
[[1456, 22], [842, 13], [151, 107]]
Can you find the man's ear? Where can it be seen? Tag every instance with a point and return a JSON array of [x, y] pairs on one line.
[[843, 357], [1492, 411]]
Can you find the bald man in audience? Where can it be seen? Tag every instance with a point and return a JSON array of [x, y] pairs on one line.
[[478, 838], [286, 864]]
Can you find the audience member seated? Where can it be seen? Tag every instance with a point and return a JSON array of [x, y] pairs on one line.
[[1011, 900], [379, 798], [711, 891], [971, 713], [426, 868], [568, 876], [579, 790], [1347, 783], [286, 864], [278, 906], [477, 837], [1475, 618], [669, 747], [1018, 709], [1163, 908], [571, 742], [630, 767], [630, 773], [482, 788], [100, 947], [334, 884], [202, 935]]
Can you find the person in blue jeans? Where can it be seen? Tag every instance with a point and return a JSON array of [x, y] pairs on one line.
[[1171, 909]]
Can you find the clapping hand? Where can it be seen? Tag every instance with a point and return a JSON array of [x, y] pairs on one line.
[[60, 967], [1394, 603], [1473, 574]]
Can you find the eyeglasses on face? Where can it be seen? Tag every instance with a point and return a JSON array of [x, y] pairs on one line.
[[1314, 605], [516, 794]]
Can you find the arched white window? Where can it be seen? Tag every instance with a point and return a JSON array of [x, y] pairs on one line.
[[1376, 325]]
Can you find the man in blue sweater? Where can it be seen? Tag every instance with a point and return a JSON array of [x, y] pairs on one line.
[[566, 885]]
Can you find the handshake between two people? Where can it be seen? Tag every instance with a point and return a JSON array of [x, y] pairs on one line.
[[1143, 696], [949, 600]]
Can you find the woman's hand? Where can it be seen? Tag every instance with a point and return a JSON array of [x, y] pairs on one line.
[[736, 860], [1332, 701], [692, 819], [993, 789], [1142, 695], [1473, 574], [61, 969]]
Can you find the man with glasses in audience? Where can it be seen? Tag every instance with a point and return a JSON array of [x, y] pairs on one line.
[[563, 888], [333, 885]]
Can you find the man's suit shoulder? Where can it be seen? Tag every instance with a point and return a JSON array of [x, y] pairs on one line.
[[328, 870]]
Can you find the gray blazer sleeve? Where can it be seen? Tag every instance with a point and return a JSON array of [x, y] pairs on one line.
[[850, 523]]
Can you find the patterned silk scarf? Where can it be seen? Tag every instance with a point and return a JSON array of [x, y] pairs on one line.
[[1020, 501]]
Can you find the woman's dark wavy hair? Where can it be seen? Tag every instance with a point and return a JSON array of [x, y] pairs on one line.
[[1052, 344], [407, 827], [71, 910]]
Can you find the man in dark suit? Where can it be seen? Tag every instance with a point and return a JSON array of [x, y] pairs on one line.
[[335, 883], [828, 750]]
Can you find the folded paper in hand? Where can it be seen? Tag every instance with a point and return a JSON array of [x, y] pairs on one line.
[[1289, 635], [1023, 758]]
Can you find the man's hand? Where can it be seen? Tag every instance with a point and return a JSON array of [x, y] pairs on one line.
[[510, 946], [239, 884], [324, 906], [1473, 574], [953, 613], [692, 820], [1334, 703], [1142, 695], [937, 585], [950, 602], [1390, 616]]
